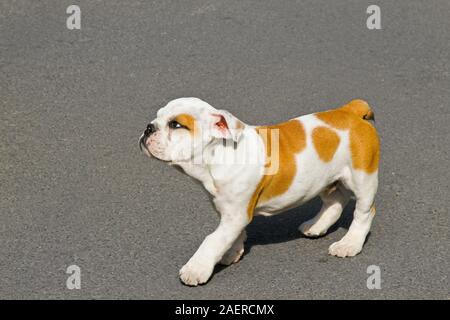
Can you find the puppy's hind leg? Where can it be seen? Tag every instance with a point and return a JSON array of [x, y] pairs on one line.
[[234, 254], [334, 200], [365, 188]]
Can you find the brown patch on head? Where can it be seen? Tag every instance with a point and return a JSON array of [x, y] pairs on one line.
[[373, 211], [326, 142], [364, 143], [239, 125], [292, 140], [186, 120]]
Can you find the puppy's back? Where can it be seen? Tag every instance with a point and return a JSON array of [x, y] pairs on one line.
[[364, 141]]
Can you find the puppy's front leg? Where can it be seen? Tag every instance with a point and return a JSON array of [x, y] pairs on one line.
[[200, 267], [236, 251]]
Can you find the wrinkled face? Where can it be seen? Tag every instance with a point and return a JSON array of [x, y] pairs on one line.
[[183, 127]]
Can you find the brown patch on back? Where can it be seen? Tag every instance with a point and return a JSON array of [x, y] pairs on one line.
[[292, 140], [338, 119], [326, 142], [365, 147], [364, 143], [186, 120]]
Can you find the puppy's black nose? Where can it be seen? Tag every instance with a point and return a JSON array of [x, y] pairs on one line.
[[150, 129]]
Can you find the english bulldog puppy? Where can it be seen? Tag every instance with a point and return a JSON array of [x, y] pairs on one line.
[[263, 170]]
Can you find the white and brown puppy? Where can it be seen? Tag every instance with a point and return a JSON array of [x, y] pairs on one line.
[[268, 169]]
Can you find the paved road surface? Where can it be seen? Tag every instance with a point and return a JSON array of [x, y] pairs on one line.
[[76, 190]]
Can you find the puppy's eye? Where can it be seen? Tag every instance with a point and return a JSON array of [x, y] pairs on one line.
[[175, 125]]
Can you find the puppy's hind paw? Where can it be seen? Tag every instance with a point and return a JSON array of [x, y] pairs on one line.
[[344, 248], [311, 230]]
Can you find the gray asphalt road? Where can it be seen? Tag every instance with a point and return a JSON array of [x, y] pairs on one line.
[[76, 190]]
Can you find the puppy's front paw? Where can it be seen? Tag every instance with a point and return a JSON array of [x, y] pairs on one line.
[[345, 248], [194, 273], [232, 256]]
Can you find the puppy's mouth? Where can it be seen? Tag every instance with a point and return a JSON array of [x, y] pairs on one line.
[[143, 146], [152, 151]]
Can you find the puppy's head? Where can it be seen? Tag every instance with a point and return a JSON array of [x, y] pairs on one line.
[[184, 127]]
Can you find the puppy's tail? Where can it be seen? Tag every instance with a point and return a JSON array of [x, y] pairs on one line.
[[360, 108]]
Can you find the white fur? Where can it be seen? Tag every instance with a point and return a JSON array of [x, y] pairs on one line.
[[233, 183]]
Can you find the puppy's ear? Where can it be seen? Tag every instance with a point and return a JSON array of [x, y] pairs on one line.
[[226, 126]]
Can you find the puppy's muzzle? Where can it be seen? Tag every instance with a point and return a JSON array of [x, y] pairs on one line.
[[150, 129], [147, 133]]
